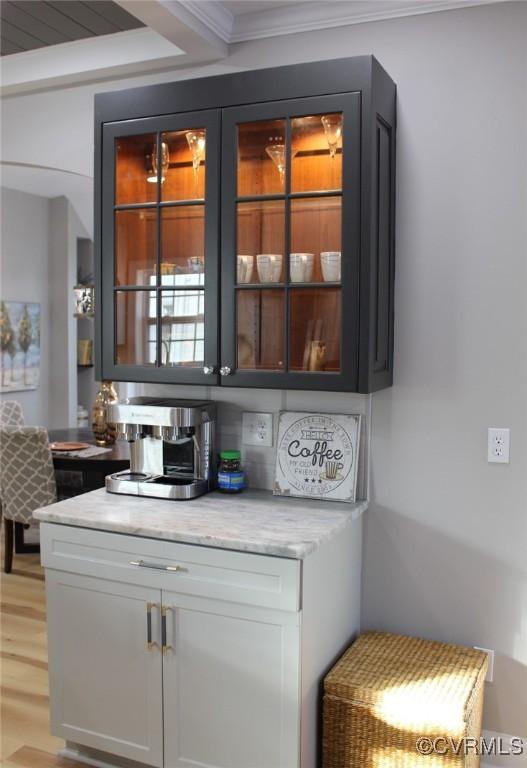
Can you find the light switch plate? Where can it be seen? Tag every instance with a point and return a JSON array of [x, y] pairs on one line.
[[257, 428]]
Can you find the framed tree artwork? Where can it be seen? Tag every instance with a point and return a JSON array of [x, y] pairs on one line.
[[19, 345]]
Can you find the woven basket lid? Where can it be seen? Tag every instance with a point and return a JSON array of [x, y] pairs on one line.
[[408, 680]]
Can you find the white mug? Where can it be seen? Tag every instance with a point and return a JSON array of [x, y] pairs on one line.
[[301, 267], [245, 263], [269, 266], [330, 262], [195, 264]]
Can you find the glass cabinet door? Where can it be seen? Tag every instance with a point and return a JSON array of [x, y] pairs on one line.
[[160, 249], [290, 243]]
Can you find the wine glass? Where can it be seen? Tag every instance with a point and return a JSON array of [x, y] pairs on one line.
[[276, 151], [196, 143], [165, 160], [333, 130]]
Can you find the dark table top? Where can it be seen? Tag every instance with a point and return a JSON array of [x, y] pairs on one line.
[[108, 462]]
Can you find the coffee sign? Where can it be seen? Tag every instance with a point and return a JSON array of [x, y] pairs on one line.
[[317, 456]]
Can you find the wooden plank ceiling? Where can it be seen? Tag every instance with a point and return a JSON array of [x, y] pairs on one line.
[[30, 24]]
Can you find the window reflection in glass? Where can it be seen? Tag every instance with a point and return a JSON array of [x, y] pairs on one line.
[[135, 327], [182, 328]]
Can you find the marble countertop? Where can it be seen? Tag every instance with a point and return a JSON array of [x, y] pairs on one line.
[[254, 521]]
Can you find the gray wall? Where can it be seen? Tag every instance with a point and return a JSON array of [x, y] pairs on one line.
[[65, 229], [446, 534], [39, 263], [24, 277]]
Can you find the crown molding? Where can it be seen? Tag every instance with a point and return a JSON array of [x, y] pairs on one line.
[[213, 14], [309, 16]]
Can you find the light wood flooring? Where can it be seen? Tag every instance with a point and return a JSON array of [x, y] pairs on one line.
[[25, 738]]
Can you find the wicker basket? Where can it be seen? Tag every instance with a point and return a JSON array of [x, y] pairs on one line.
[[388, 691]]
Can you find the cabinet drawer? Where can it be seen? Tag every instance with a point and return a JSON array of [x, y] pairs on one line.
[[260, 580]]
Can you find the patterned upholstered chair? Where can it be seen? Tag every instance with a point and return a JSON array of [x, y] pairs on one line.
[[11, 414], [27, 479]]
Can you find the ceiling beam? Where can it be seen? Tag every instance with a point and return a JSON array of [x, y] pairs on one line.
[[201, 29], [96, 58]]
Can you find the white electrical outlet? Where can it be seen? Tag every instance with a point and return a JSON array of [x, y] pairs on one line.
[[257, 429], [490, 669], [498, 446]]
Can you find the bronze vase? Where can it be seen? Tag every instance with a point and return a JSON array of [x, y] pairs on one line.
[[104, 432], [317, 354]]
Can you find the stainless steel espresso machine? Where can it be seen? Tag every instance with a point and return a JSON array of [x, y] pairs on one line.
[[171, 447]]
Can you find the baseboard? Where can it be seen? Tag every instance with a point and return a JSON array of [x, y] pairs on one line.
[[504, 761], [96, 759]]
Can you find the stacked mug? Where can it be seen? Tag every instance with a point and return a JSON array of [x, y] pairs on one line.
[[330, 266], [301, 267], [269, 267], [245, 264]]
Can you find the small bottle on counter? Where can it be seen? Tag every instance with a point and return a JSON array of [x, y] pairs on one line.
[[231, 477]]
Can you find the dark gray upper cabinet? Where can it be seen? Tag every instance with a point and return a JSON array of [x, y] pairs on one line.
[[245, 229]]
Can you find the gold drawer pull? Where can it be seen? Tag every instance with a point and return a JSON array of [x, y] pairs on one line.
[[164, 611], [149, 642]]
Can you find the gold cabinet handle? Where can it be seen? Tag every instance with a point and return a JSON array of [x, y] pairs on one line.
[[144, 564], [149, 642], [164, 610]]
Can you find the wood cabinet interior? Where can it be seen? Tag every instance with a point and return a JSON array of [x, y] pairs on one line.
[[314, 227], [182, 227], [135, 246], [313, 168], [183, 241], [136, 164], [260, 324], [133, 161], [261, 230], [182, 181], [257, 174], [314, 336]]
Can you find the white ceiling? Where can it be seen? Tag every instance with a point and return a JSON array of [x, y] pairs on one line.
[[180, 33]]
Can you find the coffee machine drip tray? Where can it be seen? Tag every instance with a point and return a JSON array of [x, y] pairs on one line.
[[156, 486]]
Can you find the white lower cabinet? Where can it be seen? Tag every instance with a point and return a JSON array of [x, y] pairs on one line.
[[170, 655], [106, 685], [230, 685]]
